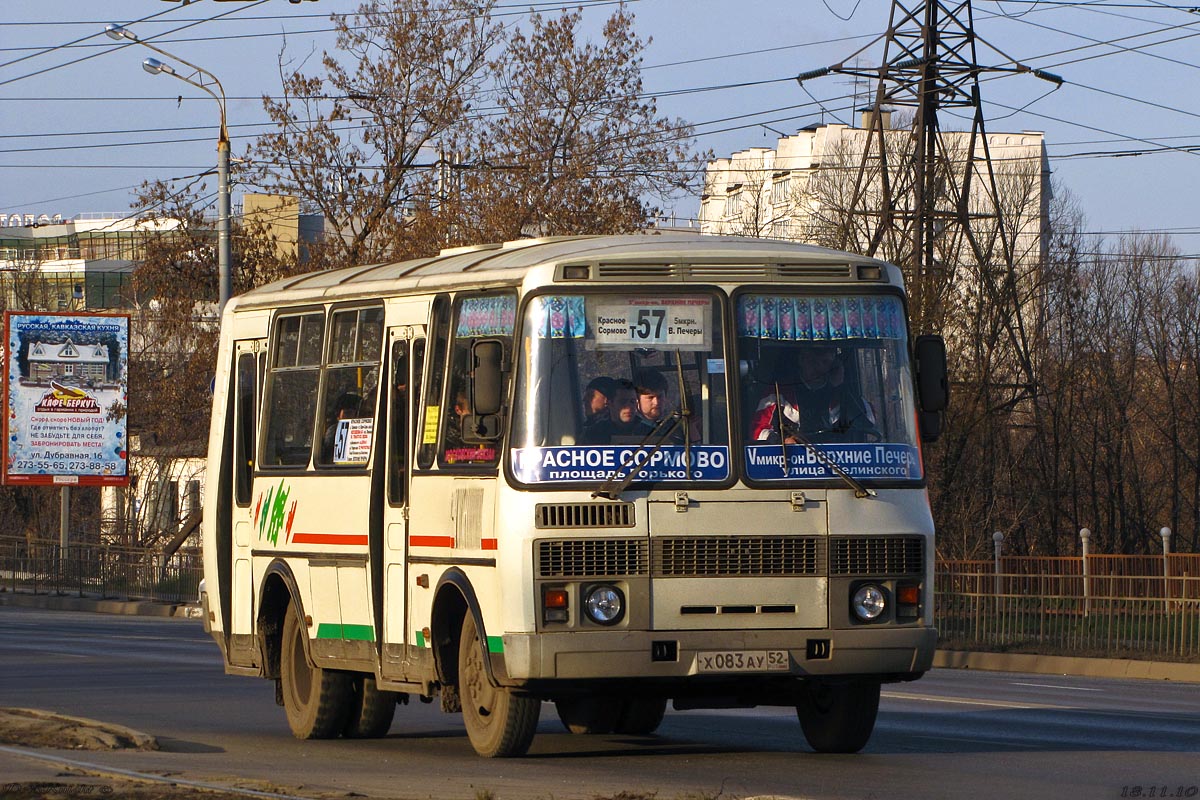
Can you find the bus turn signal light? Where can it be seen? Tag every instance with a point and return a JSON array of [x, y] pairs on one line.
[[908, 601], [555, 605]]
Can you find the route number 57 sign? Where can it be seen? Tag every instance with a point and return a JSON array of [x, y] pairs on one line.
[[674, 323]]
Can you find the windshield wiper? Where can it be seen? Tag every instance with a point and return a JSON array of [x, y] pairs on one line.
[[860, 491], [665, 428], [663, 433]]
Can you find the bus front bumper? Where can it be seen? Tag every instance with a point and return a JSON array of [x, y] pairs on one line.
[[585, 655]]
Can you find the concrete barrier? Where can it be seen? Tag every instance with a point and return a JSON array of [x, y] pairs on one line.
[[1068, 665]]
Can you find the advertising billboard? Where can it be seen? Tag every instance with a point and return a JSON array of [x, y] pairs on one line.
[[66, 383]]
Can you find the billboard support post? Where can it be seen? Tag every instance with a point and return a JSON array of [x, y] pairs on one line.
[[64, 522]]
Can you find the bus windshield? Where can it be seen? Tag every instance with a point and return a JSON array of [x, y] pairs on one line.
[[613, 382], [825, 378]]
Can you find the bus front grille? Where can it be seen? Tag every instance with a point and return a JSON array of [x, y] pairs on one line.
[[737, 556], [583, 515], [591, 558], [877, 555]]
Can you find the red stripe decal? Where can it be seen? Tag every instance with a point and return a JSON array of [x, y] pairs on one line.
[[489, 544], [330, 538], [431, 541]]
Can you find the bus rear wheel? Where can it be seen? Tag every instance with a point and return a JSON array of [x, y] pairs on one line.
[[316, 700], [589, 714], [641, 716], [838, 717], [371, 710], [499, 722], [599, 713]]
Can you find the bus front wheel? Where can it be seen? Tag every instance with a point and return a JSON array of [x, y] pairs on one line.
[[838, 717], [499, 722], [317, 701]]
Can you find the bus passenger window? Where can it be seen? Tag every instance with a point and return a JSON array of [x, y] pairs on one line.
[[351, 379], [292, 389]]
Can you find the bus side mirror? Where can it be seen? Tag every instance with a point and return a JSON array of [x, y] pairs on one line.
[[487, 356], [933, 385]]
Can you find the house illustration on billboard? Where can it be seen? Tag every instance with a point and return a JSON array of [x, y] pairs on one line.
[[67, 362]]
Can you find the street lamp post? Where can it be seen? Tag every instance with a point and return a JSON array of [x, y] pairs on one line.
[[204, 80]]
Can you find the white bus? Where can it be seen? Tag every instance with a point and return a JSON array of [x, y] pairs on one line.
[[604, 472]]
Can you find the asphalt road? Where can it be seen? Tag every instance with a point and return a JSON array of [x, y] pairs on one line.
[[952, 734]]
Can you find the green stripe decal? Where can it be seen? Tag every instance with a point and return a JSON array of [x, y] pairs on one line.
[[357, 633], [495, 643]]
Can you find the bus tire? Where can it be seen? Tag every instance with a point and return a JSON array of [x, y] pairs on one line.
[[641, 716], [838, 717], [590, 714], [316, 700], [371, 710], [499, 723]]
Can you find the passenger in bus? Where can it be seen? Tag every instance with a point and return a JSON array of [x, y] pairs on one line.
[[654, 408], [622, 425], [347, 406], [456, 423], [652, 395], [596, 397], [808, 397]]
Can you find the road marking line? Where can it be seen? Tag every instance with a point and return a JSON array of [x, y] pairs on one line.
[[1053, 686], [966, 701]]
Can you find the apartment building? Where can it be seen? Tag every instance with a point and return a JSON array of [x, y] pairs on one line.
[[802, 188]]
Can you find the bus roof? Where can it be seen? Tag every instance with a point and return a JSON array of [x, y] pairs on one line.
[[630, 257]]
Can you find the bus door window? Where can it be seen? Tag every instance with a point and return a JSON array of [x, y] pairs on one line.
[[439, 327], [398, 424], [292, 384], [470, 439], [244, 423], [351, 386]]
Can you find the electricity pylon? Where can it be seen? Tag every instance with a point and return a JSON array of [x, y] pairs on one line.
[[930, 63]]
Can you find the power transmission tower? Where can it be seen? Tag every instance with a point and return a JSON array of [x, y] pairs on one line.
[[925, 189]]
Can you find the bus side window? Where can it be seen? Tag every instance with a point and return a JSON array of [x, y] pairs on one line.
[[398, 422], [477, 318], [351, 385], [292, 389], [247, 406]]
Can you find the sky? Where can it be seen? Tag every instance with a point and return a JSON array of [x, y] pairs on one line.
[[82, 125]]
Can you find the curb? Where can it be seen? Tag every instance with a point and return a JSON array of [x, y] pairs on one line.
[[134, 608], [1182, 672]]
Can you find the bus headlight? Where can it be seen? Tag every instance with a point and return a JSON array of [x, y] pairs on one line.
[[868, 602], [604, 604]]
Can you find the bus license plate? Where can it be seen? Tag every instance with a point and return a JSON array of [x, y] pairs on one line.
[[743, 661]]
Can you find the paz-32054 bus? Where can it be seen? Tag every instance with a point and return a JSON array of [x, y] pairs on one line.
[[603, 472]]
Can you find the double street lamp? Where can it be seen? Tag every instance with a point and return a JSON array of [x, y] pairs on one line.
[[204, 80]]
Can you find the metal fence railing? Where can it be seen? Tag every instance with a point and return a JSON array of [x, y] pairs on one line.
[[1141, 607], [102, 571]]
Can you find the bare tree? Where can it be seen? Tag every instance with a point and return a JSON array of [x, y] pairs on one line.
[[576, 146], [358, 141]]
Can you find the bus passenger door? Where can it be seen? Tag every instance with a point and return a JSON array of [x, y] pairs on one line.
[[247, 395], [406, 355]]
